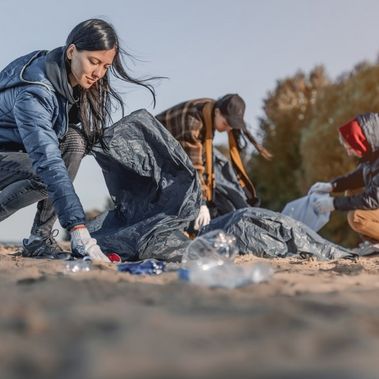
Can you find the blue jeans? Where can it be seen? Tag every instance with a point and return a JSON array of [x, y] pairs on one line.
[[20, 186]]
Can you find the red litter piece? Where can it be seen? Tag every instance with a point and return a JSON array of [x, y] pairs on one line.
[[113, 257]]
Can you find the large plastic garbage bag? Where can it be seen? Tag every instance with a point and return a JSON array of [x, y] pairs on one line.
[[270, 234], [154, 187], [302, 210], [157, 195]]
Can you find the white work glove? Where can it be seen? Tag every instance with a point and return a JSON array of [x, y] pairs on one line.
[[83, 244], [203, 218], [323, 204], [321, 187]]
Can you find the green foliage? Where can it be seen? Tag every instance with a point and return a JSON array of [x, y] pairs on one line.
[[300, 125]]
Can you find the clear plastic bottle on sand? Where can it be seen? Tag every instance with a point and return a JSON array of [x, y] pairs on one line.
[[226, 275], [208, 261], [216, 245], [78, 265]]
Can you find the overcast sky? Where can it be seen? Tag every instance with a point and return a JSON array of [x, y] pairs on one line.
[[205, 48]]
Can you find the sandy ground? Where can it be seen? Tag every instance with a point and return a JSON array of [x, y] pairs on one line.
[[312, 320]]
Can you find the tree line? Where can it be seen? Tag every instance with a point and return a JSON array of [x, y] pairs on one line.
[[299, 126]]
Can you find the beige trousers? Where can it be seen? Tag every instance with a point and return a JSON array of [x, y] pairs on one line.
[[365, 223]]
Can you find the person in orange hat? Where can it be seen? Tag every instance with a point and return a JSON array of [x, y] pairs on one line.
[[360, 138]]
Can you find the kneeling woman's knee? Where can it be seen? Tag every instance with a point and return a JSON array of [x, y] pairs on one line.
[[74, 142], [356, 220], [364, 222]]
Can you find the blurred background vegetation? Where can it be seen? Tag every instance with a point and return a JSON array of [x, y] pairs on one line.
[[299, 127]]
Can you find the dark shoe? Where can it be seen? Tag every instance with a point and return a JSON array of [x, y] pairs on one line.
[[44, 247]]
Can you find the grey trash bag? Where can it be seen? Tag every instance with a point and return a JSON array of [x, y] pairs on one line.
[[302, 210], [154, 187], [228, 194], [270, 234]]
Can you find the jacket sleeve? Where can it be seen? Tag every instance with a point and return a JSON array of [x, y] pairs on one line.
[[33, 113], [368, 199], [351, 181]]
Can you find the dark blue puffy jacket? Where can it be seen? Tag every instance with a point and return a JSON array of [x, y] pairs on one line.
[[34, 113]]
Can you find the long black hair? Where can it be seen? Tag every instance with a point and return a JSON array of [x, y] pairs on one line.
[[96, 101], [244, 135]]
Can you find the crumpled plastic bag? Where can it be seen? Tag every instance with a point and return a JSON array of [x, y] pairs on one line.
[[266, 233], [157, 195], [302, 210], [228, 194], [154, 187]]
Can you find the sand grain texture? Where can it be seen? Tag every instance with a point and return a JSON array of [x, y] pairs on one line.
[[312, 320]]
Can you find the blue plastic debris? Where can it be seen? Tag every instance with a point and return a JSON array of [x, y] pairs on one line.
[[145, 267]]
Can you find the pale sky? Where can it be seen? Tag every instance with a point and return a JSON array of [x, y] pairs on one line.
[[206, 48]]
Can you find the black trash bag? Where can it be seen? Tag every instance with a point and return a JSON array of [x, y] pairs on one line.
[[228, 194], [154, 187], [270, 234]]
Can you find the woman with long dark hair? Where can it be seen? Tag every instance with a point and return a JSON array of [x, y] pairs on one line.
[[54, 105]]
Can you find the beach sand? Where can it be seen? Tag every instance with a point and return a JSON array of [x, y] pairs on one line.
[[311, 320]]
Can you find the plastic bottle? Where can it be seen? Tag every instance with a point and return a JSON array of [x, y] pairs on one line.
[[208, 261], [226, 275], [78, 265], [215, 245]]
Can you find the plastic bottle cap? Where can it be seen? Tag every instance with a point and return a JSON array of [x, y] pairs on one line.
[[113, 257]]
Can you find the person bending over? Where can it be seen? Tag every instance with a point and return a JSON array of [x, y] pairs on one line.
[[193, 123]]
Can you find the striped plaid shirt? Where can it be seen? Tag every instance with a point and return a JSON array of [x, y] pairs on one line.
[[185, 122]]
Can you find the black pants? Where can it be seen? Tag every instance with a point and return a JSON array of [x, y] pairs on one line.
[[20, 186]]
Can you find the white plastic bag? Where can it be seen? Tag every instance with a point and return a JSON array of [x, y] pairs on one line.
[[302, 210]]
